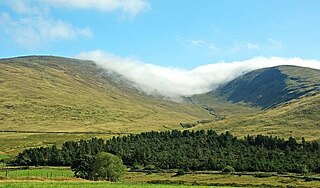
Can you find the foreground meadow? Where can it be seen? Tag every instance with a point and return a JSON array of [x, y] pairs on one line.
[[63, 177], [91, 184]]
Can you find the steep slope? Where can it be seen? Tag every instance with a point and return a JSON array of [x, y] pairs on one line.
[[282, 101], [272, 86], [45, 93], [298, 118]]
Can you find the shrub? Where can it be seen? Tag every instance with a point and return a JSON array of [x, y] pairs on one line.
[[150, 167], [102, 166], [181, 172], [302, 169], [228, 169], [263, 175], [137, 166]]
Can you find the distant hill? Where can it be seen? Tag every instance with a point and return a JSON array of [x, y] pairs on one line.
[[46, 93], [270, 87], [297, 118], [282, 101]]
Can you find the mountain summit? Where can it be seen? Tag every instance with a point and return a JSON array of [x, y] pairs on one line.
[[270, 87]]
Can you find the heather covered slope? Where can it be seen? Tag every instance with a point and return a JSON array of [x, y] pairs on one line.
[[46, 93]]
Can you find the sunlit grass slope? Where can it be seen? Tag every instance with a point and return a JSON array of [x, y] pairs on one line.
[[45, 93], [282, 101], [298, 118]]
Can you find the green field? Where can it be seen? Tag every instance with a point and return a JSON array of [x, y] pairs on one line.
[[13, 143], [47, 173], [63, 177], [4, 157], [92, 184]]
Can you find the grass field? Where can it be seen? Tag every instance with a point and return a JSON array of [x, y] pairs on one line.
[[47, 173], [221, 180], [92, 184], [3, 156], [63, 177], [13, 143]]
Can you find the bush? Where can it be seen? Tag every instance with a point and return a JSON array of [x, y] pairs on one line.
[[263, 175], [228, 169], [181, 172], [150, 167], [137, 166], [109, 167], [302, 169], [104, 166]]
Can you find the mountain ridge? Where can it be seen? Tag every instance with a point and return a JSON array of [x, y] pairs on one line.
[[269, 87]]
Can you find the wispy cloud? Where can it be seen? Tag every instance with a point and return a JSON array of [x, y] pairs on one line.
[[202, 44], [227, 48], [34, 32], [240, 46], [173, 82], [275, 44]]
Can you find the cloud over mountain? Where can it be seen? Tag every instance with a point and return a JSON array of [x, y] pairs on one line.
[[173, 82]]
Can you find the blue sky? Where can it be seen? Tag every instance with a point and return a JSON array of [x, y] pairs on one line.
[[176, 33]]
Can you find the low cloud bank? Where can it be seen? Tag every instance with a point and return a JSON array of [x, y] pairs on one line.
[[173, 82]]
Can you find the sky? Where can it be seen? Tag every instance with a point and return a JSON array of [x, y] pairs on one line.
[[173, 36]]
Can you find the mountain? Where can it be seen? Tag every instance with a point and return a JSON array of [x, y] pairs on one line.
[[270, 87], [45, 98], [282, 101], [297, 118], [46, 93]]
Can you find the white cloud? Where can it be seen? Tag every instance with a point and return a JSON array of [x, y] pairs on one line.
[[33, 32], [131, 7], [203, 44], [251, 46], [32, 27], [173, 82], [235, 47], [239, 46]]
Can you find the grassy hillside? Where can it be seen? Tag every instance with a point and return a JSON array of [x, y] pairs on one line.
[[45, 94], [298, 118], [286, 102], [272, 86], [53, 94], [59, 94]]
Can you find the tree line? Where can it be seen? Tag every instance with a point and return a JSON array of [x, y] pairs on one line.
[[187, 150]]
